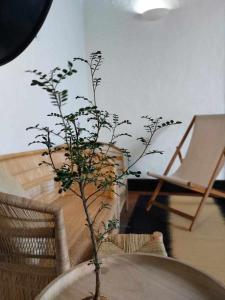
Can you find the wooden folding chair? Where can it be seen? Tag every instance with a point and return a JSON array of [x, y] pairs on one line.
[[200, 166]]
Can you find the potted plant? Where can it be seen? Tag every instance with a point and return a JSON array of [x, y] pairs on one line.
[[87, 160]]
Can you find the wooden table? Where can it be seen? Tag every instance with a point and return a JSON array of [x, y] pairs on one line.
[[137, 277]]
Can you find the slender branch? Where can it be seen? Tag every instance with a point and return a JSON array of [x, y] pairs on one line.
[[72, 190], [93, 200]]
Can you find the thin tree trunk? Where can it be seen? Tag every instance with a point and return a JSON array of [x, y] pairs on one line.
[[94, 246]]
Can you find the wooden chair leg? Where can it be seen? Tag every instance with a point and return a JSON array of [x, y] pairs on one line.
[[204, 198], [208, 190], [154, 195]]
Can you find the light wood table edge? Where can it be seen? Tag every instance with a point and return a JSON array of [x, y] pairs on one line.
[[87, 267]]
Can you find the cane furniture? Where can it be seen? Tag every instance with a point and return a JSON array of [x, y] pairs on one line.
[[42, 232], [133, 243], [33, 247]]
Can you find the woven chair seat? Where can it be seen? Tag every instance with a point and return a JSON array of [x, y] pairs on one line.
[[133, 243]]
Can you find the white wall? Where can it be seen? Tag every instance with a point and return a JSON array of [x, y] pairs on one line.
[[60, 38], [173, 67]]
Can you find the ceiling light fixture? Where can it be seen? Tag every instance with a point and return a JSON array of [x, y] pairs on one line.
[[149, 9], [154, 9]]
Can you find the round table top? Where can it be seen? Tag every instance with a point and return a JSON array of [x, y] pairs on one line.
[[137, 276]]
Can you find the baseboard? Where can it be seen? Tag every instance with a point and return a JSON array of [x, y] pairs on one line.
[[148, 185]]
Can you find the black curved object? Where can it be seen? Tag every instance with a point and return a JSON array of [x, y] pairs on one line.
[[20, 21]]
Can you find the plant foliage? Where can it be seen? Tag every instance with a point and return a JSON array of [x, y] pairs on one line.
[[87, 161]]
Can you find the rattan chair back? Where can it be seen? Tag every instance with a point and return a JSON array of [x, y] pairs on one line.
[[33, 247]]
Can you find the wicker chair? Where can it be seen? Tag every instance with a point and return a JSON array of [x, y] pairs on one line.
[[133, 243], [33, 248]]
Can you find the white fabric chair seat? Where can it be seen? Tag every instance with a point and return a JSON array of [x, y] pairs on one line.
[[175, 180]]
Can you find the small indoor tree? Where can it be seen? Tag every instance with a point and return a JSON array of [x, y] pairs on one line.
[[87, 160]]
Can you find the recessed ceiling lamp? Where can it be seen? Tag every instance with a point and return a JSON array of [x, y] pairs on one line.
[[154, 9]]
